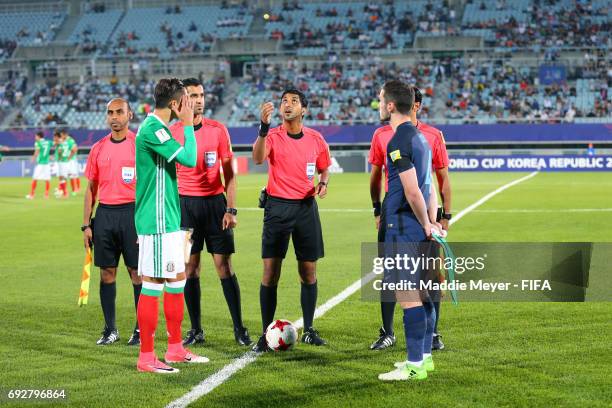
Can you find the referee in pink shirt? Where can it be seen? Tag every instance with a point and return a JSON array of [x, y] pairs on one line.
[[210, 212], [111, 174], [295, 155]]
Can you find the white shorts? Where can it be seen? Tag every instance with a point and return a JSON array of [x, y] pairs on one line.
[[42, 172], [63, 169], [73, 168], [163, 255]]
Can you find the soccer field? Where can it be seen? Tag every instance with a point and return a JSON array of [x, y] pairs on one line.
[[497, 354]]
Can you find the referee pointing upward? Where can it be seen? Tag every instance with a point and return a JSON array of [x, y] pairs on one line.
[[112, 180], [295, 154]]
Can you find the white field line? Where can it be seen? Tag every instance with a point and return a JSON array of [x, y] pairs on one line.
[[221, 376], [546, 210]]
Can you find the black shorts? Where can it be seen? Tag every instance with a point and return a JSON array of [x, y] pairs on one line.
[[205, 215], [114, 234], [298, 219]]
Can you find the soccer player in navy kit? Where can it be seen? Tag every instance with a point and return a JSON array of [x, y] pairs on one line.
[[407, 210]]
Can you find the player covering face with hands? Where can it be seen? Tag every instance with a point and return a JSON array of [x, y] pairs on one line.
[[163, 246], [295, 155]]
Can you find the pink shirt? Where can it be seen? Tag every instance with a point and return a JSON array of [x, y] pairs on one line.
[[294, 162], [113, 165], [214, 145]]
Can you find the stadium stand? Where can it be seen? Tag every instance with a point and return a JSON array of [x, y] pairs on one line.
[[175, 30], [83, 104], [32, 28], [539, 61], [339, 93], [526, 23], [13, 87], [94, 29]]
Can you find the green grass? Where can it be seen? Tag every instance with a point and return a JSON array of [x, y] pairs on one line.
[[498, 354]]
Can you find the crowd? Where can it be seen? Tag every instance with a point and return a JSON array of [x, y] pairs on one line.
[[339, 92], [92, 95], [550, 23], [493, 91]]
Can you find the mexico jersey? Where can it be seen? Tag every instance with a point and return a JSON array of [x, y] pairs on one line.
[[293, 162], [157, 199], [407, 149], [112, 164], [44, 148], [71, 144], [214, 145]]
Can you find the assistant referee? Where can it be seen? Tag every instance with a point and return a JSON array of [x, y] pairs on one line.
[[295, 154], [111, 172]]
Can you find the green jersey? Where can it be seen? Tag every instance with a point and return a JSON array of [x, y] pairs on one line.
[[157, 200], [44, 148], [65, 149], [71, 144]]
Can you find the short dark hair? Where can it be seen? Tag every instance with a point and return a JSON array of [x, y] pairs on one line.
[[167, 90], [293, 91], [418, 96], [40, 133], [399, 93], [57, 133], [192, 82]]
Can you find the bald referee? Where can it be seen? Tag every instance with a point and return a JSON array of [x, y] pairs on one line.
[[112, 181], [295, 155]]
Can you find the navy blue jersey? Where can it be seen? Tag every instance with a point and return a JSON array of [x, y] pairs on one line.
[[407, 149]]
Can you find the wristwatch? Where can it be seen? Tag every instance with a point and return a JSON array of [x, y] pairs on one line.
[[447, 216], [232, 211], [84, 227]]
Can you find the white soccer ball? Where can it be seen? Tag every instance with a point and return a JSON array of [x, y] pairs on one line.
[[281, 335]]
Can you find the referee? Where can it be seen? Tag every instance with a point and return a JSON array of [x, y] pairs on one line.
[[111, 174], [295, 154], [212, 216]]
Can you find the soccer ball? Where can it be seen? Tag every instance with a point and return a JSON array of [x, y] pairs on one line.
[[281, 335]]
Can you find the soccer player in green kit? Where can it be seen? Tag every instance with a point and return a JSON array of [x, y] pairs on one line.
[[163, 246], [42, 171]]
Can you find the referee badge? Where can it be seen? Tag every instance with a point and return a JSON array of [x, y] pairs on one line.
[[310, 170], [127, 174], [211, 158]]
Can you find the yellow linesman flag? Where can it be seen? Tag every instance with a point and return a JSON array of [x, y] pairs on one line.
[[84, 292]]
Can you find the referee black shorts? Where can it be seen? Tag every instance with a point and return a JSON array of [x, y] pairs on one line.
[[298, 219], [114, 234], [205, 215]]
